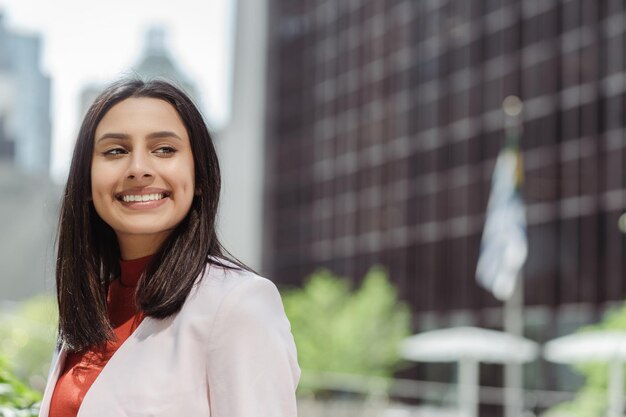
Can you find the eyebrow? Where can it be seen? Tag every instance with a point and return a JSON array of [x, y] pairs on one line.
[[154, 135]]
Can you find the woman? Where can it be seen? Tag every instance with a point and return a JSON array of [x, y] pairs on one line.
[[154, 320]]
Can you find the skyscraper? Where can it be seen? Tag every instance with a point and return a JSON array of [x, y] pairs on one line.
[[240, 144], [384, 123], [156, 61], [25, 136]]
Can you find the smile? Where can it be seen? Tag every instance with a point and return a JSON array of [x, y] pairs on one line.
[[142, 198], [145, 197]]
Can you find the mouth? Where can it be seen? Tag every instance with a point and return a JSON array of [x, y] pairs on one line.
[[141, 198]]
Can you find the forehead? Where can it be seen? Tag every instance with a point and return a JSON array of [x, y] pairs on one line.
[[137, 115]]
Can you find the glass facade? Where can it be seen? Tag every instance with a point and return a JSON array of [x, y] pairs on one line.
[[384, 122]]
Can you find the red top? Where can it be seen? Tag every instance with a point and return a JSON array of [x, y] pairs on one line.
[[81, 369]]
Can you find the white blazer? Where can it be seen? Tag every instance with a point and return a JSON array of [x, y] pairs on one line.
[[228, 353]]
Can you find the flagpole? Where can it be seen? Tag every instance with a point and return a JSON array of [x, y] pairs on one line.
[[514, 305], [513, 372], [504, 246]]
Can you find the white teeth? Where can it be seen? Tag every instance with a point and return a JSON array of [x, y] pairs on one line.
[[144, 197]]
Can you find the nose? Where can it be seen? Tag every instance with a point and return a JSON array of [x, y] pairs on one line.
[[139, 166]]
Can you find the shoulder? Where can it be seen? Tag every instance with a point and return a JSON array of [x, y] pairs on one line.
[[231, 296], [222, 282], [251, 360]]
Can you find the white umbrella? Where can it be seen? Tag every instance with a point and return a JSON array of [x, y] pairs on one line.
[[595, 346], [468, 346], [482, 345]]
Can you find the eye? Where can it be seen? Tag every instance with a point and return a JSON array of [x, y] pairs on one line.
[[114, 152], [165, 150]]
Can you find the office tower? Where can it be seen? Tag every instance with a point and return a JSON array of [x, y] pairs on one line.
[[384, 122], [240, 144], [25, 132], [157, 61]]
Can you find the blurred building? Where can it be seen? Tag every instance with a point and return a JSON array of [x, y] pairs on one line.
[[88, 95], [30, 207], [156, 62], [25, 131], [240, 144], [7, 144], [29, 199], [384, 122]]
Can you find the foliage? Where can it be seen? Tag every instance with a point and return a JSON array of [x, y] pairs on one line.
[[591, 400], [16, 399], [344, 331], [27, 338]]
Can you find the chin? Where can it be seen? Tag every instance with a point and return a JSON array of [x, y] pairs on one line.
[[149, 231]]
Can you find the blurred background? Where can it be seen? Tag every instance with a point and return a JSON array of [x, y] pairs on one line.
[[358, 142]]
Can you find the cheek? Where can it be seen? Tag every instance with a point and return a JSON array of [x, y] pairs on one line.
[[102, 185], [192, 180], [98, 182], [187, 176]]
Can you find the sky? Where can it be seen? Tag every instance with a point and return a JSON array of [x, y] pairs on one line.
[[88, 42]]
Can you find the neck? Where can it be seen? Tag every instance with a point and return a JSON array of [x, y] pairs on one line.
[[139, 246]]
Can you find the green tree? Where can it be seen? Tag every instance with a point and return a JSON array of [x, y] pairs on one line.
[[591, 399], [16, 399], [27, 338], [344, 331]]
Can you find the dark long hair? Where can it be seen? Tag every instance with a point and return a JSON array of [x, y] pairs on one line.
[[88, 251]]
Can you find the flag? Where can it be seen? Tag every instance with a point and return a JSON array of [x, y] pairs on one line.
[[504, 246]]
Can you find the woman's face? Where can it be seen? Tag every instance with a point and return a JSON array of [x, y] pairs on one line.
[[142, 173]]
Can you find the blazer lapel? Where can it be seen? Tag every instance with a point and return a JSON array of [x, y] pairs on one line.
[[55, 371], [91, 403]]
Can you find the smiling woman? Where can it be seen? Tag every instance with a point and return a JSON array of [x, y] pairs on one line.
[[142, 173], [154, 318]]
